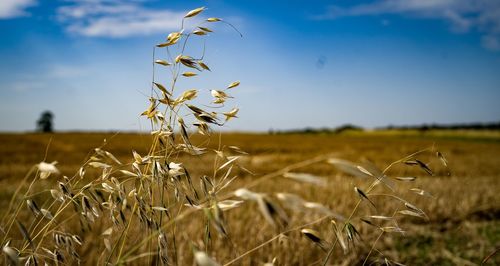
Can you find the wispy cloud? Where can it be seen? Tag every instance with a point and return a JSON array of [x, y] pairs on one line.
[[60, 71], [116, 18], [26, 85], [462, 15], [46, 79], [14, 8]]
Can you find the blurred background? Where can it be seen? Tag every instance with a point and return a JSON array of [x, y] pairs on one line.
[[327, 78], [316, 64]]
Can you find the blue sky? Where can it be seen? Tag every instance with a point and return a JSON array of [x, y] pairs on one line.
[[300, 63]]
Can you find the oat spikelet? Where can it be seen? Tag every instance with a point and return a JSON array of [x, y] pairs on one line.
[[194, 12], [11, 254], [315, 237], [363, 195], [47, 169], [442, 158], [306, 178], [202, 259]]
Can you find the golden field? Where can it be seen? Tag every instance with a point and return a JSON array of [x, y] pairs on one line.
[[463, 225]]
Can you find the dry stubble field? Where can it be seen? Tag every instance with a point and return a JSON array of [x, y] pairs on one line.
[[463, 225]]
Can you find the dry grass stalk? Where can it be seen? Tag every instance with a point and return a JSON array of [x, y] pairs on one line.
[[138, 208]]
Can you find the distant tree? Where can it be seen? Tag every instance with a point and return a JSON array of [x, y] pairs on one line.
[[44, 123], [347, 127]]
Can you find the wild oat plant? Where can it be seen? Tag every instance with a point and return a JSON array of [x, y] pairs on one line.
[[143, 212]]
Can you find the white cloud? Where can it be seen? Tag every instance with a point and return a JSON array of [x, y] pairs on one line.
[[462, 15], [14, 8], [118, 18]]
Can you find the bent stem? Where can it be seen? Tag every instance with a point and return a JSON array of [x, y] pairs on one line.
[[272, 239], [370, 188]]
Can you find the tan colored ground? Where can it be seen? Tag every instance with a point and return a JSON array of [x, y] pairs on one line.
[[464, 215]]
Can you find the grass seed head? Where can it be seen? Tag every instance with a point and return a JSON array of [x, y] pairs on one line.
[[11, 254], [202, 259]]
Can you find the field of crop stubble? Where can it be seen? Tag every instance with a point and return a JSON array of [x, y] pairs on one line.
[[176, 197], [463, 208]]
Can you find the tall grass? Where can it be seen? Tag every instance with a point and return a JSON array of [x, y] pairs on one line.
[[153, 210]]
